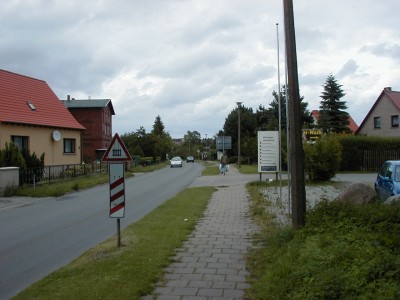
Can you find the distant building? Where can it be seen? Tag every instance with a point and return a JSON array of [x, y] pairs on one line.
[[383, 117], [33, 118], [96, 116], [352, 124]]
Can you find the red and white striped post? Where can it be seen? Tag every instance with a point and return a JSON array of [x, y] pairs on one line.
[[116, 155]]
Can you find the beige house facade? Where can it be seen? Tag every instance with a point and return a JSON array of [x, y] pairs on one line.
[[383, 118], [60, 146]]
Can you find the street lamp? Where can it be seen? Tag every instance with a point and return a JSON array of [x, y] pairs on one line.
[[239, 104], [206, 147]]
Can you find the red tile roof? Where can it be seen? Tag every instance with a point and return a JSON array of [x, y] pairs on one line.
[[352, 124], [394, 96], [17, 92]]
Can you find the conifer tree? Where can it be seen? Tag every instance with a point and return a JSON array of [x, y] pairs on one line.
[[333, 117]]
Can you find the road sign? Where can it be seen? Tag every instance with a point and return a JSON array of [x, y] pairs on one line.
[[116, 151], [117, 190], [224, 143]]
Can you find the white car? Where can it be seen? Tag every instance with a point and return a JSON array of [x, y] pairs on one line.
[[176, 162]]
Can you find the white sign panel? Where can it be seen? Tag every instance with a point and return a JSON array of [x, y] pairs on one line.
[[268, 151]]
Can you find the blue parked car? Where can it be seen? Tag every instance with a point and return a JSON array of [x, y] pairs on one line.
[[388, 180]]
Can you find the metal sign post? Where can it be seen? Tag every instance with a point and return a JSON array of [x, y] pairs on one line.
[[116, 155]]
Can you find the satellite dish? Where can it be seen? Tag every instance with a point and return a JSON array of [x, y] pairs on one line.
[[56, 135]]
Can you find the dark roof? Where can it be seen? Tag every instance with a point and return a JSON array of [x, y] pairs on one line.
[[393, 96], [91, 103], [30, 101]]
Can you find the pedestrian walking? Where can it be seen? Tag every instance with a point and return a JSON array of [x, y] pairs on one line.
[[224, 163]]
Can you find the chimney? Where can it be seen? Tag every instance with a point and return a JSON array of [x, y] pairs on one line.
[[388, 88], [68, 98]]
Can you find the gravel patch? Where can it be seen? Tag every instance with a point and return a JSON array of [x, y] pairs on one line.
[[281, 208]]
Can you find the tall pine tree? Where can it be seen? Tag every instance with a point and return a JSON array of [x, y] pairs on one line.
[[333, 117]]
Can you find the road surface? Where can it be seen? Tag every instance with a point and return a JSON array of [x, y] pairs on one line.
[[39, 238]]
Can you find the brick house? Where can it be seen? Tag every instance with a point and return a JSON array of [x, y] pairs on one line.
[[383, 117], [33, 118], [96, 116]]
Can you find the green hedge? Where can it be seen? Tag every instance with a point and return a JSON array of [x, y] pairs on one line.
[[353, 148], [149, 160]]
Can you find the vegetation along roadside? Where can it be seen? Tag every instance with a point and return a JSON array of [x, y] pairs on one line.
[[62, 187], [343, 252]]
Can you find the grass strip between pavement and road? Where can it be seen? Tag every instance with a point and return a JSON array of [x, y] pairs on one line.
[[130, 271]]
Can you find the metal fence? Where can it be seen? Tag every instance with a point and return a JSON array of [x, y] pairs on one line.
[[60, 172], [373, 159]]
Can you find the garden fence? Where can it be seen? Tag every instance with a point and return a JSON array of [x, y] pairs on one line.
[[373, 159], [59, 172]]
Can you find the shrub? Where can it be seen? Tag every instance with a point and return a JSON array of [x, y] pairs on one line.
[[35, 166], [12, 157], [322, 159], [344, 252]]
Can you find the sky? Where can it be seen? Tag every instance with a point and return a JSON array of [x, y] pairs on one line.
[[190, 61]]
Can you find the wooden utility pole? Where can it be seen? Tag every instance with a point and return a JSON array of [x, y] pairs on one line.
[[296, 146]]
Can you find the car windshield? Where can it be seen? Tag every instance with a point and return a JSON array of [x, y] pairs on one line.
[[176, 158]]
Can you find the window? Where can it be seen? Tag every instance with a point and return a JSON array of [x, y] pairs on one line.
[[22, 142], [69, 145], [377, 122], [31, 105], [397, 172], [395, 121], [384, 169]]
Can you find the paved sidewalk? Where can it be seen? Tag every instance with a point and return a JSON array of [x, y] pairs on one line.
[[211, 264]]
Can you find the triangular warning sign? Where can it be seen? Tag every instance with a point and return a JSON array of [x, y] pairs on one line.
[[117, 151]]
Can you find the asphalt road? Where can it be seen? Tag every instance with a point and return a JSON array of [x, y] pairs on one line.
[[48, 233]]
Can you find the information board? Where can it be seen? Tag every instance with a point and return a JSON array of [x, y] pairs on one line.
[[268, 151]]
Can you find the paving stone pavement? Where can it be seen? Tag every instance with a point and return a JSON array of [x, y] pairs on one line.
[[211, 263]]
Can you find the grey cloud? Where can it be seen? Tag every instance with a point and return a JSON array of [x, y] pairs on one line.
[[243, 77], [181, 91], [209, 29], [383, 50], [312, 79], [188, 64], [349, 68]]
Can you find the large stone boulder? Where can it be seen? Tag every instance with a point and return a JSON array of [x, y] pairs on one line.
[[393, 200], [357, 193]]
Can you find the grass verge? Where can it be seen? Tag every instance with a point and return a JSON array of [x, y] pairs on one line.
[[343, 252], [210, 169], [248, 169], [128, 272]]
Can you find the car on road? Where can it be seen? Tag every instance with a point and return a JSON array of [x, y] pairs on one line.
[[388, 179], [176, 162], [190, 159]]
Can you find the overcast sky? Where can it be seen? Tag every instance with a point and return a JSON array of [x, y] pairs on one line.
[[189, 61]]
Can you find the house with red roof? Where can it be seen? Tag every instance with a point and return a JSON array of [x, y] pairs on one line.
[[33, 118], [383, 117], [352, 124], [96, 116]]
